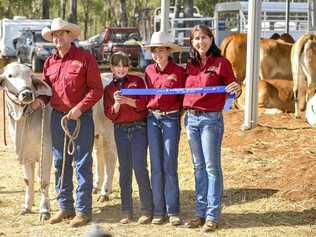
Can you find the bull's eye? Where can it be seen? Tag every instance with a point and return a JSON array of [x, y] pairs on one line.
[[9, 75]]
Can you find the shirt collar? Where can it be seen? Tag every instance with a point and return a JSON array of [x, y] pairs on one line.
[[168, 67], [119, 81], [70, 52]]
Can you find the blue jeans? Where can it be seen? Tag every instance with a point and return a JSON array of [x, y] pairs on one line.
[[131, 143], [82, 160], [205, 133], [163, 136]]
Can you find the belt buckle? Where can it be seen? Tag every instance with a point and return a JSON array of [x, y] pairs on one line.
[[195, 112]]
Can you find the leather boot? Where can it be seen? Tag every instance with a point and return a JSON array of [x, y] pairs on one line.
[[79, 220], [60, 216]]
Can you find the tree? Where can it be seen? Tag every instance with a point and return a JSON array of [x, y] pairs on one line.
[[86, 8], [123, 14], [45, 9], [62, 12], [73, 12]]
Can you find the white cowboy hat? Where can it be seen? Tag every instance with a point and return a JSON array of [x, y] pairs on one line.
[[162, 39], [60, 24], [310, 113]]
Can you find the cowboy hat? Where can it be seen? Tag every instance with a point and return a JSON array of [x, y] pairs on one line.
[[162, 39], [310, 113], [60, 24]]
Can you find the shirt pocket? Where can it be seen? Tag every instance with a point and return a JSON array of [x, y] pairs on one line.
[[75, 78], [211, 79], [52, 74]]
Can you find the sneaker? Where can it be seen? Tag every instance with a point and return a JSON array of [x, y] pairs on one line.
[[144, 220], [60, 216], [195, 223], [158, 220], [174, 220], [79, 220], [209, 226]]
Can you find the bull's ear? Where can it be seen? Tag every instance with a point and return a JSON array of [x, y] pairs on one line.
[[41, 87], [2, 77]]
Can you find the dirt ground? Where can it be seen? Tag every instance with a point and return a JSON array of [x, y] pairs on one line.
[[270, 187]]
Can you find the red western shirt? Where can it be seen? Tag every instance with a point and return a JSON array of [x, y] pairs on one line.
[[75, 80], [126, 113], [164, 79], [216, 72]]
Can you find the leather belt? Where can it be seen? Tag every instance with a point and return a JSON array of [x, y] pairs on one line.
[[196, 112], [159, 112]]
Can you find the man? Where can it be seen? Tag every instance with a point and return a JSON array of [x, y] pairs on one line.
[[74, 77]]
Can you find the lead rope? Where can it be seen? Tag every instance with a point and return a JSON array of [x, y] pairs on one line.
[[71, 146], [42, 188], [4, 119]]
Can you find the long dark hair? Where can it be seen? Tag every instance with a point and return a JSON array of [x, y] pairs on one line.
[[213, 50]]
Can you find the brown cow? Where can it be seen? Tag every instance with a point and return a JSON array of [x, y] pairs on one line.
[[273, 94], [303, 59], [234, 48], [275, 60]]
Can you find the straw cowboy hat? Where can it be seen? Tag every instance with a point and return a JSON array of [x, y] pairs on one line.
[[162, 39], [60, 24], [310, 113]]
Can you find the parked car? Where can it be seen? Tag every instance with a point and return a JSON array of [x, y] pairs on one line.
[[32, 49], [126, 39]]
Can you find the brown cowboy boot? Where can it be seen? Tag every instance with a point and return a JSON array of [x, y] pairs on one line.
[[60, 216], [79, 220]]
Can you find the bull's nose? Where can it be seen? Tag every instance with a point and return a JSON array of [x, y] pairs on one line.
[[26, 95]]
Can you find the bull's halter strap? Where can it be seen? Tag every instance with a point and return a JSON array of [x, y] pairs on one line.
[[178, 91]]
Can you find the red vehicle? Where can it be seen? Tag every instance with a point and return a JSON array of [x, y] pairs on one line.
[[126, 39]]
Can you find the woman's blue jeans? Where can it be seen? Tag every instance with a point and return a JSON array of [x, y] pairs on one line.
[[205, 133], [163, 136], [131, 143]]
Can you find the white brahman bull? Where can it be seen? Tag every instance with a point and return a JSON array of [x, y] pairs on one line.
[[303, 57], [25, 127], [105, 148]]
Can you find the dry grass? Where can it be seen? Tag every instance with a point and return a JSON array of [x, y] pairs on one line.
[[255, 163]]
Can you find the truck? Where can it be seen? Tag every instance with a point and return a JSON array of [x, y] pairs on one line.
[[10, 29], [126, 39], [32, 49]]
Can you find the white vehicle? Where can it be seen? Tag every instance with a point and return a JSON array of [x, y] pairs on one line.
[[180, 28], [11, 29], [233, 17]]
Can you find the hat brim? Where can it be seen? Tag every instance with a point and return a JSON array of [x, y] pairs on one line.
[[173, 47], [72, 28]]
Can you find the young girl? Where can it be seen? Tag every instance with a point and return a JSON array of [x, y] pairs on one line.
[[128, 114], [164, 128]]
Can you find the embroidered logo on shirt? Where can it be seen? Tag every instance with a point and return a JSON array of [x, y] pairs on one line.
[[76, 63], [132, 85], [211, 70], [172, 77]]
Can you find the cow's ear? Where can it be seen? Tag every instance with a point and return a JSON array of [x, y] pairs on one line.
[[41, 87]]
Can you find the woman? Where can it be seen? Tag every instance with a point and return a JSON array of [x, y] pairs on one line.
[[164, 128], [128, 113], [204, 123]]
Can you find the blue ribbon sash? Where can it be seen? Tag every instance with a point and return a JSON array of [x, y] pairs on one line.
[[178, 91]]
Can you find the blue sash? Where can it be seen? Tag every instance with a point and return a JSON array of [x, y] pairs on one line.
[[178, 91]]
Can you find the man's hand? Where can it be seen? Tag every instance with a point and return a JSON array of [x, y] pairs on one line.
[[37, 103], [74, 113]]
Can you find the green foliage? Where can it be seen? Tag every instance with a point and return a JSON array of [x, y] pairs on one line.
[[101, 13]]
